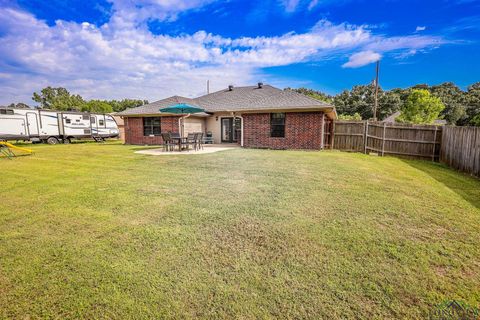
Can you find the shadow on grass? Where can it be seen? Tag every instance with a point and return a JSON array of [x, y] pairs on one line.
[[466, 186]]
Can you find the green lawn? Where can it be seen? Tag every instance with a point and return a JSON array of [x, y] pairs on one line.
[[96, 231]]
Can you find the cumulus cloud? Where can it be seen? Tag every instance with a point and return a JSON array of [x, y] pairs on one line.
[[361, 59], [122, 58]]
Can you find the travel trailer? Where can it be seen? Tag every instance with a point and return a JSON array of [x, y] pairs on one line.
[[53, 127]]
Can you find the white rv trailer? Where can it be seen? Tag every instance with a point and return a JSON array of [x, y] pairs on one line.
[[54, 126]]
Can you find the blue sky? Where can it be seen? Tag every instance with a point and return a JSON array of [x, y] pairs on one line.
[[154, 48]]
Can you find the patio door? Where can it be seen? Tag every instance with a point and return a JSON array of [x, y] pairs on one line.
[[231, 129]]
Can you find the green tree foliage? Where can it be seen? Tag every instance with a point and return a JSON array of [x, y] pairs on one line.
[[314, 94], [454, 100], [421, 107], [97, 106], [362, 98], [355, 116], [473, 105], [58, 99], [19, 105], [61, 99], [475, 120], [120, 105]]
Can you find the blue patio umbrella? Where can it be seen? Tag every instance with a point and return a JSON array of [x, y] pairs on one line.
[[182, 108]]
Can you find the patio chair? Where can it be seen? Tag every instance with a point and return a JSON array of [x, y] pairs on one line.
[[199, 141], [191, 140], [168, 143]]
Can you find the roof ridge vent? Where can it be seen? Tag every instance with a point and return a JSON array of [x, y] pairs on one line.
[[230, 87]]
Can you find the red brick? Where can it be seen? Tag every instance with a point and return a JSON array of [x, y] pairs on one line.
[[134, 130], [303, 130]]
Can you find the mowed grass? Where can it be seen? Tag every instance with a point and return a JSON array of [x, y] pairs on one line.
[[96, 231]]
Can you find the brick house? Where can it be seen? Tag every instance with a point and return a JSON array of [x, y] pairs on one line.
[[259, 116]]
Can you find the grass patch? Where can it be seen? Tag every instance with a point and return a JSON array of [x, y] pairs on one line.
[[96, 231]]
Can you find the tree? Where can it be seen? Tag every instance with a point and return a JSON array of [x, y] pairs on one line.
[[314, 94], [121, 105], [19, 105], [58, 99], [454, 100], [356, 116], [475, 121], [472, 102], [98, 106], [361, 100], [421, 108]]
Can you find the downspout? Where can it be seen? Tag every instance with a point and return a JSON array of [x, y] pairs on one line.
[[180, 123]]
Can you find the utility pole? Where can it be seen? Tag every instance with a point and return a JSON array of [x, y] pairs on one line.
[[375, 107], [208, 86]]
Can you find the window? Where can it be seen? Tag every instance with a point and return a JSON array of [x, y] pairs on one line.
[[6, 111], [85, 117], [101, 122], [68, 121], [277, 125], [151, 126]]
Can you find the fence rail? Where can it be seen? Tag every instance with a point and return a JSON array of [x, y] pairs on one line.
[[413, 141], [460, 149]]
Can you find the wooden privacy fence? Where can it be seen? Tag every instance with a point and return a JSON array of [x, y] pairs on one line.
[[412, 141], [461, 149]]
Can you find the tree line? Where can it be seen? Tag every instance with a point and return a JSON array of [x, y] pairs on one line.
[[418, 104], [458, 107], [62, 100]]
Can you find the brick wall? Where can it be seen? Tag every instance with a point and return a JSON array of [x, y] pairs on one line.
[[303, 130], [134, 130]]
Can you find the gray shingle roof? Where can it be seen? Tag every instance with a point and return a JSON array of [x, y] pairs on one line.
[[249, 98], [154, 107]]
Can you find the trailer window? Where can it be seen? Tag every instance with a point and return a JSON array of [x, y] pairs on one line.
[[68, 120], [151, 126], [85, 117], [101, 122], [5, 111]]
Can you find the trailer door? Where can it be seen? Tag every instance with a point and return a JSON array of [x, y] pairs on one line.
[[94, 125], [32, 123]]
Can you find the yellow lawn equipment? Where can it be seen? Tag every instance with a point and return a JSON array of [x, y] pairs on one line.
[[8, 150]]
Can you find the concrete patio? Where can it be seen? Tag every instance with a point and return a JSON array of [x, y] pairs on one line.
[[209, 148]]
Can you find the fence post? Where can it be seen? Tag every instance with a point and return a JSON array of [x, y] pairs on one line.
[[365, 137], [332, 134], [434, 144], [383, 138]]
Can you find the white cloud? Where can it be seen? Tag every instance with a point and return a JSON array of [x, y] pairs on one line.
[[312, 4], [420, 28], [290, 5], [361, 59], [122, 58]]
